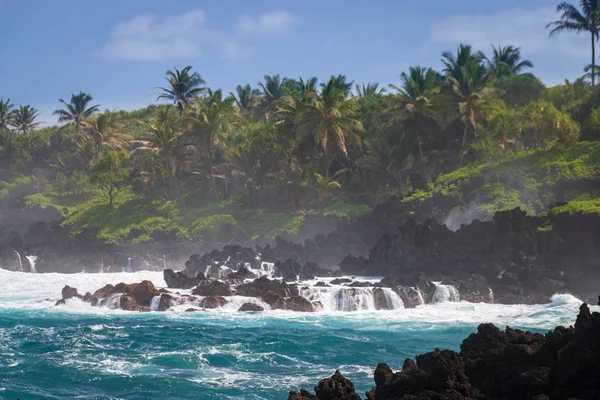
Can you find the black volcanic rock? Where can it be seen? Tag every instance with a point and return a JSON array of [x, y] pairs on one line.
[[497, 365], [180, 280], [337, 387], [262, 285], [514, 255], [251, 307], [291, 270], [241, 274], [212, 288]]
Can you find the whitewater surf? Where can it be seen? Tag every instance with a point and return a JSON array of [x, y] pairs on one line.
[[79, 351]]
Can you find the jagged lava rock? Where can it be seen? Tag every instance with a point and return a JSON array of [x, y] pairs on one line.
[[251, 307], [180, 280], [213, 302], [212, 288]]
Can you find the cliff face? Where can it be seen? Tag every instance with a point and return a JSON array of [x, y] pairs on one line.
[[492, 364], [517, 255]]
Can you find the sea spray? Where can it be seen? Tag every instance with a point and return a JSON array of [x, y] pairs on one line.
[[20, 261], [32, 260], [445, 293]]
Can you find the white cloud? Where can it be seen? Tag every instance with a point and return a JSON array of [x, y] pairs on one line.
[[269, 23], [519, 27], [145, 37]]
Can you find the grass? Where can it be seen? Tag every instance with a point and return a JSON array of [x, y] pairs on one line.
[[523, 179]]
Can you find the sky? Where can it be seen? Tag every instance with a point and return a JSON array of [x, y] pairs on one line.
[[119, 51]]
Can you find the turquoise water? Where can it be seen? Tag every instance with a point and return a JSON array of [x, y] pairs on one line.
[[80, 352]]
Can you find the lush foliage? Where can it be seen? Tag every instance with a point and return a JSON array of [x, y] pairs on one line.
[[483, 132]]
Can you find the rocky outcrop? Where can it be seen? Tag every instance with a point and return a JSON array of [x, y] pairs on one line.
[[213, 302], [337, 387], [295, 303], [262, 285], [494, 364], [251, 307], [522, 259], [233, 257], [291, 270], [241, 274], [180, 280], [212, 288]]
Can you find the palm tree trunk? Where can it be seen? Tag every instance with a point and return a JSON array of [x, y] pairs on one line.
[[464, 139], [593, 64], [212, 175], [173, 184]]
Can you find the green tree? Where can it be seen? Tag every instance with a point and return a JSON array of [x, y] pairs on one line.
[[415, 104], [541, 123], [213, 119], [163, 139], [506, 61], [183, 88], [585, 19], [245, 98], [24, 119], [458, 66], [110, 174], [474, 96], [273, 89], [331, 120], [6, 113], [77, 110], [106, 132]]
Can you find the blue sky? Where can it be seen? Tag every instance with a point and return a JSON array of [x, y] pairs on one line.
[[118, 51]]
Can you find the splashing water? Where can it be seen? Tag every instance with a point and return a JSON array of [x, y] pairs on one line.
[[32, 260], [445, 293], [20, 261]]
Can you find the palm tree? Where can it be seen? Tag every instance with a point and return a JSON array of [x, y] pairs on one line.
[[371, 89], [272, 91], [105, 132], [77, 110], [455, 65], [414, 102], [24, 119], [214, 118], [6, 113], [183, 88], [306, 89], [331, 120], [474, 96], [245, 98], [163, 138], [507, 61], [585, 20]]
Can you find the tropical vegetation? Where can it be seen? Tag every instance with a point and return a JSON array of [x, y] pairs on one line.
[[212, 166]]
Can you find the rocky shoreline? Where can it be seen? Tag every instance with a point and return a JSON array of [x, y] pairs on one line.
[[492, 364], [512, 259]]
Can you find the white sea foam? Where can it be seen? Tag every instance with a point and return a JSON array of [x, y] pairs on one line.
[[25, 291]]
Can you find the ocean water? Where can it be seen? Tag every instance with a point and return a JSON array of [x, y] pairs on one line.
[[81, 352]]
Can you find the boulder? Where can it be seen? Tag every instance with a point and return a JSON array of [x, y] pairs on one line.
[[241, 274], [213, 302], [165, 302], [69, 292], [337, 387], [128, 303], [262, 285], [339, 281], [271, 297], [144, 292], [180, 280], [296, 303], [251, 307], [212, 288]]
